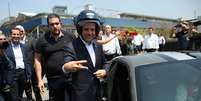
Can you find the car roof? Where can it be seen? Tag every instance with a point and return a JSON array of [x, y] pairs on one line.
[[152, 58]]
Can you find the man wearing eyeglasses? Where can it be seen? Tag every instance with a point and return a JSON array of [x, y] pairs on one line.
[[49, 56]]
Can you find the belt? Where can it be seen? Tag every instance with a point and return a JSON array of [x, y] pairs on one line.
[[19, 69], [150, 50]]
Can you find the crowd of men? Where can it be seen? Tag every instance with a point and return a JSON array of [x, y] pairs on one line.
[[74, 65]]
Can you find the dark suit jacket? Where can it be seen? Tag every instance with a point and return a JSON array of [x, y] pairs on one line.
[[6, 67], [85, 85], [27, 65], [30, 46]]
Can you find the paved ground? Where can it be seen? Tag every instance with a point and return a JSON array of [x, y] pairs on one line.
[[45, 95]]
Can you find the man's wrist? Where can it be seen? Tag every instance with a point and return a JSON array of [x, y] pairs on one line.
[[63, 69]]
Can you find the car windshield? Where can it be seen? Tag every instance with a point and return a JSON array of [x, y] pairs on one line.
[[175, 81]]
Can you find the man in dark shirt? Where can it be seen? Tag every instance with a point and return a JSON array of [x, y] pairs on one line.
[[182, 35], [50, 48]]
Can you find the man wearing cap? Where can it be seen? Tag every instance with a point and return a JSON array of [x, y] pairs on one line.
[[23, 38], [30, 44], [1, 32]]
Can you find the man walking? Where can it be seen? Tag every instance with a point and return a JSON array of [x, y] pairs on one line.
[[17, 53], [49, 50], [84, 58]]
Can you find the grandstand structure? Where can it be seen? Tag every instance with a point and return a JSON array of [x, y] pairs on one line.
[[36, 24]]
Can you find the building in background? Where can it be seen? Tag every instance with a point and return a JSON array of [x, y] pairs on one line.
[[36, 24], [60, 10]]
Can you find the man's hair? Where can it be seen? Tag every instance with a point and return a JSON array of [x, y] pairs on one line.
[[14, 28], [52, 16], [151, 28], [108, 26]]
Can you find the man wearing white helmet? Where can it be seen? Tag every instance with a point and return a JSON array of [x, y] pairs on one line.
[[22, 34], [1, 32]]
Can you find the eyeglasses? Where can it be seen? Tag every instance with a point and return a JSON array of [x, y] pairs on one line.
[[2, 38], [52, 24]]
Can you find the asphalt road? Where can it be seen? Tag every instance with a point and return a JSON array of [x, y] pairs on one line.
[[45, 95]]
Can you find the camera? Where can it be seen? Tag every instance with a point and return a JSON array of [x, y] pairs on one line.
[[4, 45]]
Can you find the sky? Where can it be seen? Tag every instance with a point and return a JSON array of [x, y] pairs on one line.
[[174, 9]]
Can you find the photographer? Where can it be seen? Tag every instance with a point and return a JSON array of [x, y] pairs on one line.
[[182, 35], [5, 70]]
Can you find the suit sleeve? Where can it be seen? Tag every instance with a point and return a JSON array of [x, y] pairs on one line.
[[69, 52], [9, 70], [28, 62]]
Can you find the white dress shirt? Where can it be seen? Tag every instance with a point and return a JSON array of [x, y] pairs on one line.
[[112, 47], [161, 40], [18, 56], [90, 50], [137, 40], [23, 40], [150, 41]]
